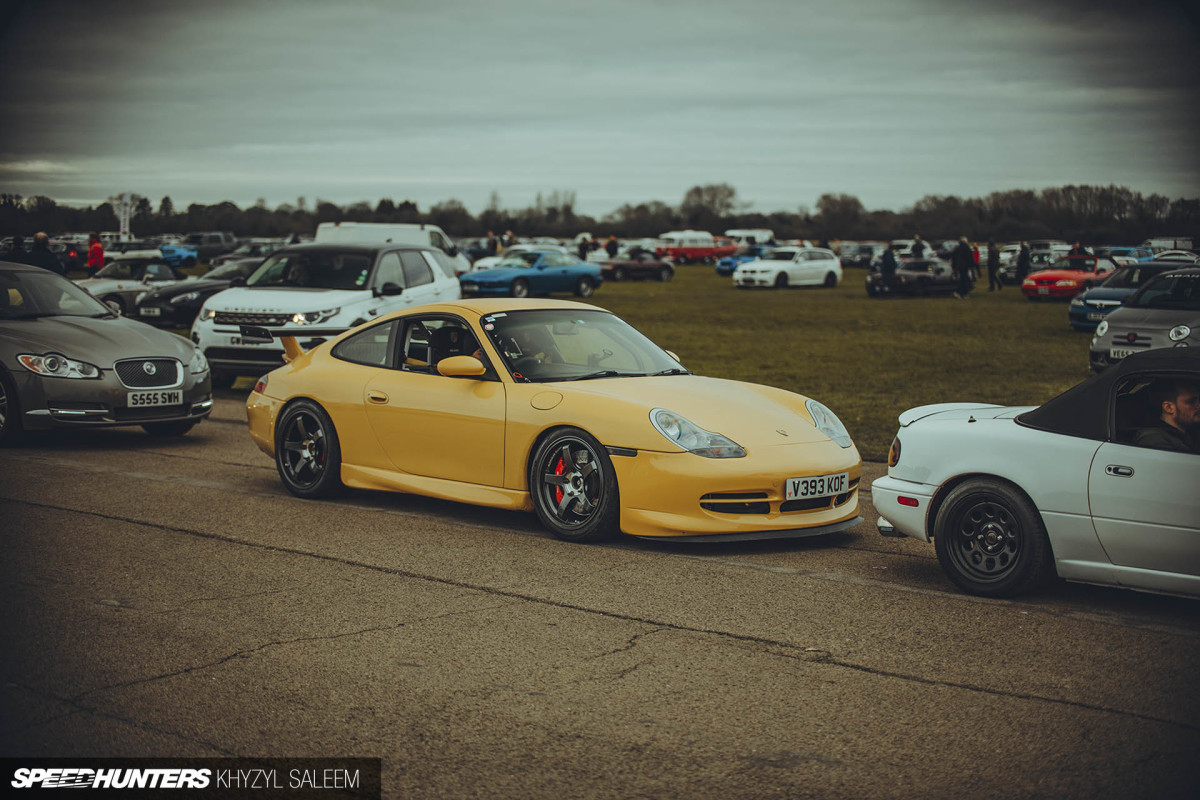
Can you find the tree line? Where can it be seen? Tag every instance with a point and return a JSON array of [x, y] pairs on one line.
[[1092, 214]]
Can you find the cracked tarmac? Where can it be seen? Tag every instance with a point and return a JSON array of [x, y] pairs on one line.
[[170, 599]]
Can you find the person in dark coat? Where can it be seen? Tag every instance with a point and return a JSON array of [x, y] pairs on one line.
[[1078, 250], [888, 268], [582, 249], [993, 264], [918, 246], [962, 262], [1024, 262], [40, 256], [493, 244], [611, 247]]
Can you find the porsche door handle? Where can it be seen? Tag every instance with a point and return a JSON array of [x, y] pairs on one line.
[[1117, 471], [376, 397]]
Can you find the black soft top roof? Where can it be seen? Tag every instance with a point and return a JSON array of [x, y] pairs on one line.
[[1085, 410]]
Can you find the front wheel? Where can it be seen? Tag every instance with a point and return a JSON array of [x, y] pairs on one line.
[[665, 274], [520, 288], [307, 453], [574, 487], [584, 287], [990, 539], [618, 273], [781, 281]]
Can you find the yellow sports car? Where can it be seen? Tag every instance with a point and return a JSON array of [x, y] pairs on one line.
[[554, 406]]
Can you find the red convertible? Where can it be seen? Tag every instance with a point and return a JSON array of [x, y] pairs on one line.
[[1068, 277]]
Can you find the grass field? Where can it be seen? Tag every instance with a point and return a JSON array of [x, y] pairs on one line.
[[867, 359]]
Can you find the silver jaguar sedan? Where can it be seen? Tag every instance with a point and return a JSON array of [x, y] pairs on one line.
[[68, 360]]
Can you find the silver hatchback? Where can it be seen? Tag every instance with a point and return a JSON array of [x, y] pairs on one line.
[[1164, 312]]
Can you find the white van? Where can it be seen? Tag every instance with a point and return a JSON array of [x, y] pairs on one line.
[[742, 236], [391, 233]]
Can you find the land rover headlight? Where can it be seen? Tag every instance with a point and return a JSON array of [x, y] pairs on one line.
[[1179, 333], [206, 314], [314, 317], [1102, 328], [55, 365], [692, 437], [198, 364], [828, 423]]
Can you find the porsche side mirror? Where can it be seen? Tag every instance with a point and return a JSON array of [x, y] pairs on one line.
[[389, 289], [461, 367]]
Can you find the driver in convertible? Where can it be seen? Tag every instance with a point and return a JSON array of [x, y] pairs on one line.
[[1178, 426]]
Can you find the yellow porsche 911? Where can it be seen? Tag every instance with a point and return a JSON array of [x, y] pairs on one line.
[[554, 406]]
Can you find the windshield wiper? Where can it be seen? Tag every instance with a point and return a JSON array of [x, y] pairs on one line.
[[671, 371], [606, 373]]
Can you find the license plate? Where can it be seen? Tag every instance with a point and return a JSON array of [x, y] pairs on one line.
[[1094, 317], [150, 311], [170, 397], [1043, 290], [1119, 352], [240, 342], [820, 486]]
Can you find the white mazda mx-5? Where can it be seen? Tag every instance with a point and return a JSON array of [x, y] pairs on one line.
[[1009, 496]]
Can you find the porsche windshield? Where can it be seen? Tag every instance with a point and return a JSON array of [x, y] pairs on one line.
[[1169, 291], [30, 295], [569, 344], [314, 269]]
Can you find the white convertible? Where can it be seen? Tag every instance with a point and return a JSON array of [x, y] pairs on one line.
[[790, 266], [1010, 495]]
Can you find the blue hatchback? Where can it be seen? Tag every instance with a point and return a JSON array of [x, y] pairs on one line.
[[1087, 309], [534, 272], [749, 253]]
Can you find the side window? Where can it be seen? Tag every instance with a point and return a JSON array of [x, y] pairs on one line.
[[439, 260], [159, 272], [390, 270], [1145, 406], [416, 269], [558, 260], [370, 347], [427, 340]]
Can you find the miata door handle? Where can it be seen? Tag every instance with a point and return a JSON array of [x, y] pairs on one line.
[[374, 396], [1118, 471]]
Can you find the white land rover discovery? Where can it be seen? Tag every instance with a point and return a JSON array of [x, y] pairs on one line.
[[321, 286]]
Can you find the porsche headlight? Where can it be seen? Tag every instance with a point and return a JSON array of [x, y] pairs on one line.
[[828, 423], [199, 364], [693, 438], [314, 317], [185, 298], [1179, 333], [1102, 328], [58, 366]]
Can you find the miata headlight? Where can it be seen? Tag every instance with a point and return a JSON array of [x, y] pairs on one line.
[[314, 317], [828, 423], [198, 364], [186, 298], [1179, 333], [58, 366], [1102, 328], [692, 437]]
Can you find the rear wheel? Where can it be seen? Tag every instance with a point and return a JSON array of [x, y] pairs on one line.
[[830, 280], [307, 453], [681, 259], [584, 287], [781, 280], [618, 273], [520, 288], [574, 487], [174, 428]]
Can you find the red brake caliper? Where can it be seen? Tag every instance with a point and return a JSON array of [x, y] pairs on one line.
[[558, 492]]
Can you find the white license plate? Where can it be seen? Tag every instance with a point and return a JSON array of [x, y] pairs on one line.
[[169, 397], [1119, 352], [150, 311], [240, 342], [1095, 317], [1043, 290], [820, 486]]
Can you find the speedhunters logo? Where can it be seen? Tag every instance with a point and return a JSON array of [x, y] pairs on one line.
[[200, 777]]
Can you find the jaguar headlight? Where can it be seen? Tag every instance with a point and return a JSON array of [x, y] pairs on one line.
[[54, 365], [198, 364], [185, 298], [314, 317], [692, 437], [828, 423], [1102, 328]]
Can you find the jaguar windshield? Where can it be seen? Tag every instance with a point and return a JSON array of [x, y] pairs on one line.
[[568, 344], [314, 269], [31, 295]]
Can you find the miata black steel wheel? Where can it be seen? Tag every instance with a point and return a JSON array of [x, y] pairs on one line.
[[307, 453], [990, 539], [574, 488]]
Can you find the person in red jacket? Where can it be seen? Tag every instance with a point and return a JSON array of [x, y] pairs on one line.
[[95, 259]]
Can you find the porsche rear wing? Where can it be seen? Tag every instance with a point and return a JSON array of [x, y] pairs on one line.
[[254, 334]]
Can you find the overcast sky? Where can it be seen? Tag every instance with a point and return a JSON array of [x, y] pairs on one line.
[[619, 102]]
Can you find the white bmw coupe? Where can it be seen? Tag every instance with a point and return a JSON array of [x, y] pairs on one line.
[[1009, 496]]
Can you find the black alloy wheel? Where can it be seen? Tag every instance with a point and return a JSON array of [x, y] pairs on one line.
[[990, 539], [781, 281], [307, 453], [520, 288], [574, 487]]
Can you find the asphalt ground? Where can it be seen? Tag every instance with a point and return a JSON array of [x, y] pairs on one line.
[[169, 598]]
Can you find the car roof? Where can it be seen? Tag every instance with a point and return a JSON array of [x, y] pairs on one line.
[[350, 247], [500, 305], [1083, 410]]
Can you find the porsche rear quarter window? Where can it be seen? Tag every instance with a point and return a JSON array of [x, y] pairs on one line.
[[370, 347]]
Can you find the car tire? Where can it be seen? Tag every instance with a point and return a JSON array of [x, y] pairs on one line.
[[665, 274], [990, 539], [584, 287], [681, 259], [618, 273], [115, 302], [519, 288], [174, 428], [11, 431], [574, 487], [831, 281], [781, 281], [307, 453]]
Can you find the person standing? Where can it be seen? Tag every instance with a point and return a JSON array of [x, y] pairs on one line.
[[40, 256], [611, 246], [993, 264], [1024, 262], [95, 259], [16, 252], [493, 244], [888, 268], [1078, 250], [962, 262], [582, 249], [918, 246]]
